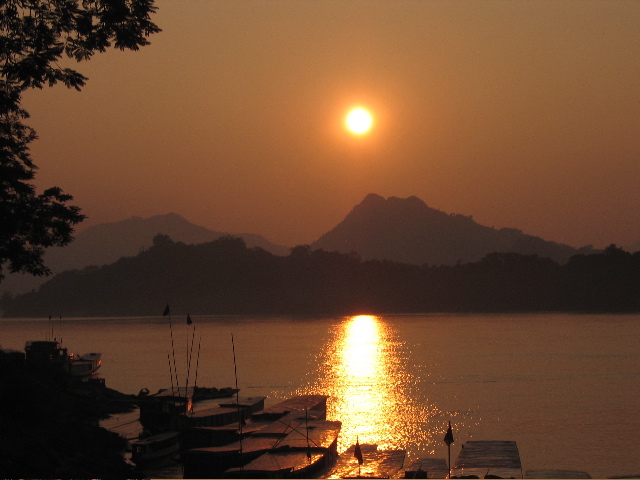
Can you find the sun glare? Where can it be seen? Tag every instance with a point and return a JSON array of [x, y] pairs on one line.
[[359, 121]]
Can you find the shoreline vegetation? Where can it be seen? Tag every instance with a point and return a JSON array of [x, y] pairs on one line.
[[225, 277], [51, 430]]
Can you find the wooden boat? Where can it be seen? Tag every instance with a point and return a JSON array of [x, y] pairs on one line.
[[212, 462], [292, 450], [557, 474], [285, 434], [377, 463], [51, 356], [155, 448], [427, 468], [256, 439], [225, 414], [199, 437], [205, 436], [84, 365], [488, 459], [210, 393], [158, 412], [283, 464], [317, 403], [165, 411]]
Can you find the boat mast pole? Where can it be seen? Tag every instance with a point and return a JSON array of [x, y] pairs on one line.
[[195, 383], [240, 415], [306, 421], [173, 351], [170, 373], [190, 354]]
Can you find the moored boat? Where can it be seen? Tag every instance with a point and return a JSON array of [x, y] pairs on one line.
[[158, 412], [50, 355], [84, 365], [209, 393], [306, 451], [283, 440], [488, 459], [376, 463], [155, 448], [226, 413]]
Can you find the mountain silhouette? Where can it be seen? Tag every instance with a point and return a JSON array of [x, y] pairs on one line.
[[107, 242], [408, 231], [224, 277]]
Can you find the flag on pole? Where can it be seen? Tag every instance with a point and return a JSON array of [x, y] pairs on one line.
[[166, 311], [189, 322], [448, 438], [357, 452]]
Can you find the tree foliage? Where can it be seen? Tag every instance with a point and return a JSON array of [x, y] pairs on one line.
[[226, 277], [36, 34]]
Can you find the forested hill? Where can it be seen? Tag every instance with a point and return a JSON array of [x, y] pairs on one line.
[[226, 277], [407, 230]]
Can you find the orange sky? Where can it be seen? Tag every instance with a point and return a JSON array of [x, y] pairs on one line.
[[523, 114]]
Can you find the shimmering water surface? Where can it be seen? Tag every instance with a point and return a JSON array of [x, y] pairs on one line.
[[566, 388]]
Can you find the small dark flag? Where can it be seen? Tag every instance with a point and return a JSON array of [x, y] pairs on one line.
[[358, 453], [166, 311], [189, 322], [448, 438]]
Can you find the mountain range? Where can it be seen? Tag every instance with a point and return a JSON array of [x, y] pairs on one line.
[[408, 231], [107, 242], [403, 230]]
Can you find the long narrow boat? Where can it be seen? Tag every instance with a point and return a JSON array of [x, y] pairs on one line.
[[158, 412], [377, 463], [308, 448], [256, 440], [283, 432], [427, 468], [317, 403], [488, 459], [51, 356], [155, 448]]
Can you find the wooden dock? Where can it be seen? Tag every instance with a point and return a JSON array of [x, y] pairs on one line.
[[488, 459]]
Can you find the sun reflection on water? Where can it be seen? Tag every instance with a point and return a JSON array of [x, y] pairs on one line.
[[377, 392], [363, 381], [363, 370]]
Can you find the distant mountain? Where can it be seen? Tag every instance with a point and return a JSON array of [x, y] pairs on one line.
[[224, 277], [107, 242], [408, 231]]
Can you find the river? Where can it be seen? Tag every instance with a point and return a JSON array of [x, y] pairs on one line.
[[565, 387]]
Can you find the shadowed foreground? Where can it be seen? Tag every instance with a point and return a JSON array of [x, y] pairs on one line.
[[50, 429]]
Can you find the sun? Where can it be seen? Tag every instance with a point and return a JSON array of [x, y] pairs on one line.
[[359, 121]]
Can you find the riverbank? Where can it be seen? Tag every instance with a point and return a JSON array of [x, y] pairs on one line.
[[50, 427]]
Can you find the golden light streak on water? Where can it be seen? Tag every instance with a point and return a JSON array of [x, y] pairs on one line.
[[364, 380], [364, 371]]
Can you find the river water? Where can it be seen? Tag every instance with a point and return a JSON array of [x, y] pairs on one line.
[[565, 387]]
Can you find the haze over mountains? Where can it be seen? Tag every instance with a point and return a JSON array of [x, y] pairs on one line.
[[408, 231], [107, 242], [401, 230]]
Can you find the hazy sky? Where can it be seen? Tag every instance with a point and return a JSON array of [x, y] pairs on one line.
[[523, 114]]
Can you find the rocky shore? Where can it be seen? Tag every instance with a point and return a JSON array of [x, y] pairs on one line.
[[50, 427]]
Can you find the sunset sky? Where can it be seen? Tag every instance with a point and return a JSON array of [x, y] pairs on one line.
[[523, 114]]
